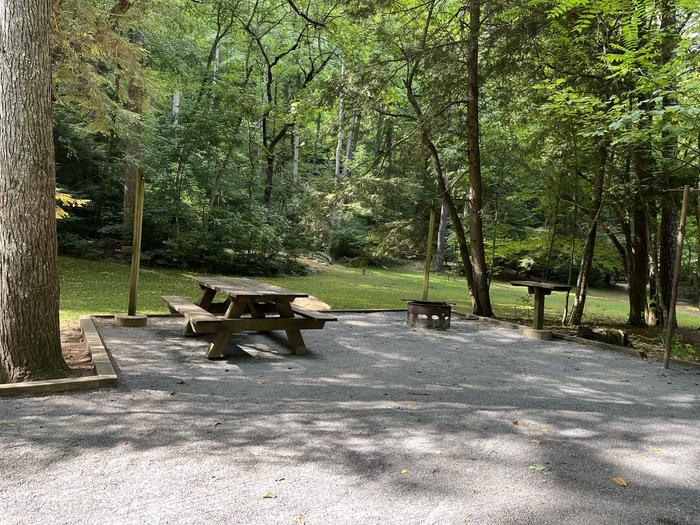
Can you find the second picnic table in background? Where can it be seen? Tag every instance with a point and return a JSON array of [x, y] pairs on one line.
[[539, 290]]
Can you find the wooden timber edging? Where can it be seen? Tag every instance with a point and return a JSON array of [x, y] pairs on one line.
[[588, 342], [106, 376]]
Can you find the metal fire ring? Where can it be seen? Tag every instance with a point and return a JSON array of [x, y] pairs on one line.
[[429, 314]]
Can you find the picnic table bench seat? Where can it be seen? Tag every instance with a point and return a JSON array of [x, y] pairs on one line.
[[199, 321], [313, 314]]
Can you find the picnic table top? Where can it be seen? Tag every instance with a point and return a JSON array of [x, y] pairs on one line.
[[546, 286], [249, 288]]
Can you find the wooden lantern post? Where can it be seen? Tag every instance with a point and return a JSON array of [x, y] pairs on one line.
[[131, 318]]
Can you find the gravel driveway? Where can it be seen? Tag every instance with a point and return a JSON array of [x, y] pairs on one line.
[[378, 424]]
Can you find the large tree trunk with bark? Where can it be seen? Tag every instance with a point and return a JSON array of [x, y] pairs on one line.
[[667, 253], [669, 213], [476, 230], [639, 260], [30, 345], [589, 246]]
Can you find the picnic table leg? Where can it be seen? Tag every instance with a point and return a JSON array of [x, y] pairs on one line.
[[207, 298], [217, 347], [204, 302], [538, 321], [296, 341]]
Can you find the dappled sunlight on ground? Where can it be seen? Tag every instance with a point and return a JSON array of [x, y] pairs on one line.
[[377, 424]]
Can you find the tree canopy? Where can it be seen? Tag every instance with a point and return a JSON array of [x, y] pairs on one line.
[[551, 132]]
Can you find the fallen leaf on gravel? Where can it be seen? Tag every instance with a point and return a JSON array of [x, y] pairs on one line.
[[260, 382], [515, 422], [270, 495], [11, 424], [537, 467], [418, 371], [656, 450], [171, 394], [619, 480], [217, 423], [535, 442], [300, 520], [280, 479], [404, 471], [544, 429]]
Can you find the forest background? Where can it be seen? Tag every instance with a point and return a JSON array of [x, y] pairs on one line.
[[549, 134]]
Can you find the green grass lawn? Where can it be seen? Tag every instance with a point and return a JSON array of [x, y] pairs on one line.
[[101, 287]]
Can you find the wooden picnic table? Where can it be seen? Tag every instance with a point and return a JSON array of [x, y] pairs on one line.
[[539, 290], [248, 306]]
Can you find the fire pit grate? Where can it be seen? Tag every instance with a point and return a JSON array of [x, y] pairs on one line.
[[429, 314]]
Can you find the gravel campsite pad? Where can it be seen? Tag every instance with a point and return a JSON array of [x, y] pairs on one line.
[[378, 424]]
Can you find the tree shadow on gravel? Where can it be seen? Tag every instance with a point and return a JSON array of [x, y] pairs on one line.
[[460, 411]]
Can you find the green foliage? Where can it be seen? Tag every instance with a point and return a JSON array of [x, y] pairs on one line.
[[559, 79]]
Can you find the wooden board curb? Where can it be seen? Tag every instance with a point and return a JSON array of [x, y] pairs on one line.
[[106, 376]]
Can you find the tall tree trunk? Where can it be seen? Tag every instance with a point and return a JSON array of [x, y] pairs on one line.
[[269, 175], [441, 239], [462, 242], [378, 135], [476, 233], [669, 213], [639, 249], [553, 229], [589, 246], [454, 215], [494, 239], [295, 153], [341, 118], [133, 151], [30, 344], [175, 106], [667, 252], [387, 169], [317, 138], [697, 225], [352, 137], [655, 312]]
